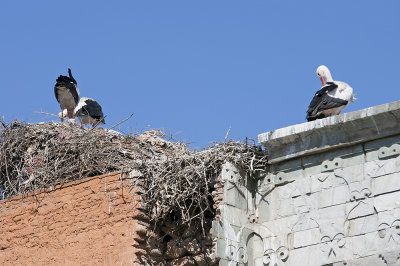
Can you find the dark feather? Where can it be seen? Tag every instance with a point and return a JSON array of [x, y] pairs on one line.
[[68, 83], [322, 101], [93, 109]]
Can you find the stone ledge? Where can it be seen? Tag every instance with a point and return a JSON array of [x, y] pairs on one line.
[[332, 132]]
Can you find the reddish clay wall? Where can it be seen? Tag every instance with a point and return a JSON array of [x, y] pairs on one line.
[[86, 222]]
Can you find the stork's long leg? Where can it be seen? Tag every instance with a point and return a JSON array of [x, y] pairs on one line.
[[62, 115], [70, 114], [95, 123], [80, 122]]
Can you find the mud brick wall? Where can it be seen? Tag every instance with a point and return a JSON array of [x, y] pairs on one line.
[[87, 222]]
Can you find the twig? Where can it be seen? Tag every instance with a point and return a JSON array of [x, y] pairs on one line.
[[227, 133], [122, 121], [47, 114]]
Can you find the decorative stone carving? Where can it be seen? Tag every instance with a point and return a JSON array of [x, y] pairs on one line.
[[331, 246], [325, 180], [237, 253], [235, 191], [276, 257], [230, 252], [361, 202], [390, 231], [252, 217], [359, 209], [281, 178], [278, 178], [382, 167], [350, 174], [265, 187], [330, 165], [231, 173], [242, 255], [386, 152], [305, 221], [390, 258], [360, 194]]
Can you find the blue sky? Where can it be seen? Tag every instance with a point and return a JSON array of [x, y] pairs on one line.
[[197, 68]]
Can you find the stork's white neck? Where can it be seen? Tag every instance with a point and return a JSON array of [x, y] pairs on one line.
[[328, 76]]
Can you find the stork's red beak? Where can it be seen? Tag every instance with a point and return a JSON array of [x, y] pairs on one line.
[[322, 80]]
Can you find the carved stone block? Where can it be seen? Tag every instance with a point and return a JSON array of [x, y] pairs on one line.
[[362, 225], [387, 202], [359, 208], [235, 195], [233, 215], [306, 238], [334, 196], [332, 247], [310, 255], [305, 221], [363, 245], [330, 165], [387, 152], [385, 184], [378, 168], [350, 174], [276, 257]]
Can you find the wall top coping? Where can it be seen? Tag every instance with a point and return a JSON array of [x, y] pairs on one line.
[[332, 132]]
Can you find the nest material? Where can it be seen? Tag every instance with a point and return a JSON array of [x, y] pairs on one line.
[[181, 185], [174, 182]]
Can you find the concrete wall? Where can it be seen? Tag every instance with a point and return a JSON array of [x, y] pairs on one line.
[[87, 222], [330, 196]]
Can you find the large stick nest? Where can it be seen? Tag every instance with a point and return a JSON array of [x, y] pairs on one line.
[[174, 182]]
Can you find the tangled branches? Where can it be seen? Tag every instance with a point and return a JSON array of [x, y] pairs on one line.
[[174, 182], [179, 187], [38, 156]]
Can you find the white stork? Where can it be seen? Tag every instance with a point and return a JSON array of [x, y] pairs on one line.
[[331, 99], [67, 93], [89, 112]]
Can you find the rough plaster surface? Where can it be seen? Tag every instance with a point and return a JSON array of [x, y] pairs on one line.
[[333, 206], [87, 222]]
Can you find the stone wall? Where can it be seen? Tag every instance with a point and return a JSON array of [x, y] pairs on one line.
[[87, 222], [330, 196]]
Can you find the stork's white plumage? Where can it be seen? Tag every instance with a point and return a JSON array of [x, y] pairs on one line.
[[89, 112], [64, 114], [67, 93], [331, 99]]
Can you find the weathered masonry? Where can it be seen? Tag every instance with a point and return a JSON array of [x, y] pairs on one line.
[[330, 195]]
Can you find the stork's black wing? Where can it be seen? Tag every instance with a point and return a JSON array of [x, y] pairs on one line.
[[67, 83], [93, 109], [322, 101], [330, 86]]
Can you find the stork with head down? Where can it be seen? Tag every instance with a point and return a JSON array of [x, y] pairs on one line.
[[88, 111], [331, 99]]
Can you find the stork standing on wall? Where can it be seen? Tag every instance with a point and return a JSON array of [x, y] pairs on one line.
[[67, 94], [331, 99]]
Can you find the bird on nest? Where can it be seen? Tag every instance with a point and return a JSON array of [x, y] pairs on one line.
[[88, 111], [331, 99], [67, 93]]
